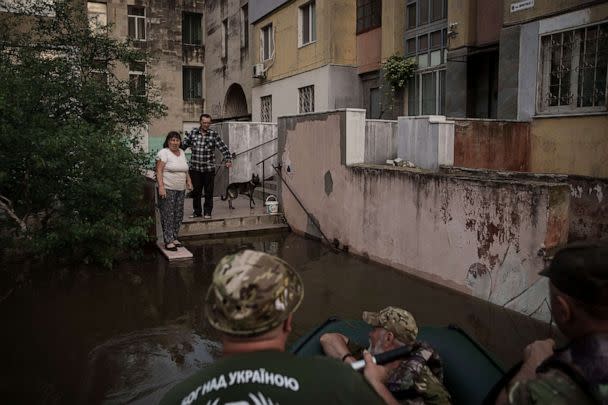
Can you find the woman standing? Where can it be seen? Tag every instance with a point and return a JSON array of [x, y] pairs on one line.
[[173, 179]]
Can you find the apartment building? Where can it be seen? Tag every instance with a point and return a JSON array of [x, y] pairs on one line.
[[303, 56]]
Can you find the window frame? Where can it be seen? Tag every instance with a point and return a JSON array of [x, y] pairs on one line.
[[312, 24], [191, 69], [244, 15], [135, 18], [268, 114], [189, 16], [542, 108], [140, 76], [224, 38], [270, 46], [301, 91], [375, 9]]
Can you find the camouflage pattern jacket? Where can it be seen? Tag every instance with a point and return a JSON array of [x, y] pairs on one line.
[[418, 379], [576, 375]]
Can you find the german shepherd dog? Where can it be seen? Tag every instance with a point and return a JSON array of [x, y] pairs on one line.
[[234, 189]]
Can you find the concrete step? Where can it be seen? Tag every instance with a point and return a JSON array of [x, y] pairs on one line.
[[247, 223]]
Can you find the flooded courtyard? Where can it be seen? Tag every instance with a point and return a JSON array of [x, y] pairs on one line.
[[127, 335]]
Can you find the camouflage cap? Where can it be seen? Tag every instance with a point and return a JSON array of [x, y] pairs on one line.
[[396, 320], [252, 293]]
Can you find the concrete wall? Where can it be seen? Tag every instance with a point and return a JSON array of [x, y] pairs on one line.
[[427, 141], [570, 145], [240, 138], [491, 144], [588, 213], [335, 44], [369, 46], [484, 238], [380, 141], [235, 68], [333, 89]]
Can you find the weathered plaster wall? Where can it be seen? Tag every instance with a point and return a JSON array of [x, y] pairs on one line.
[[588, 214], [333, 87], [393, 27], [491, 144], [235, 68], [485, 238], [570, 145], [369, 46], [380, 141]]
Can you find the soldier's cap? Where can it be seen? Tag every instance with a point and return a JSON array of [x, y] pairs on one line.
[[581, 271], [251, 293], [396, 320]]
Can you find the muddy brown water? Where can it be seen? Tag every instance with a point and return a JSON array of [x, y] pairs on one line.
[[127, 335]]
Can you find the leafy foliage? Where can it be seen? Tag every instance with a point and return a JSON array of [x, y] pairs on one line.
[[71, 164], [398, 70]]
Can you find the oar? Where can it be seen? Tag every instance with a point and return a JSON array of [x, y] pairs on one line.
[[384, 358]]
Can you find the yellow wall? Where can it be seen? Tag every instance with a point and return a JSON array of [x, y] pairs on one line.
[[336, 43], [393, 27], [463, 12], [541, 8], [573, 145]]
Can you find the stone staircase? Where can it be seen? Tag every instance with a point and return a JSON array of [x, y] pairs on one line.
[[226, 221], [270, 187]]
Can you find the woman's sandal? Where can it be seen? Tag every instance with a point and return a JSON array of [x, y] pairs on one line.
[[171, 246], [177, 243]]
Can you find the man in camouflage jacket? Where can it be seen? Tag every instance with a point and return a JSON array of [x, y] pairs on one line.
[[417, 379]]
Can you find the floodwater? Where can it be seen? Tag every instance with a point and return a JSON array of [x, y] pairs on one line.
[[127, 335]]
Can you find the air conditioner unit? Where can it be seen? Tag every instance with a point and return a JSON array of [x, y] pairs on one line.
[[258, 71]]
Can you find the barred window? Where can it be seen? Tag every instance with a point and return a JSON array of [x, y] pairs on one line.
[[266, 107], [307, 99], [137, 22], [574, 70], [369, 15]]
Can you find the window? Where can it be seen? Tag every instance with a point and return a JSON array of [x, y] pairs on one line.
[[308, 30], [426, 93], [422, 12], [192, 29], [267, 51], [137, 79], [307, 99], [98, 15], [137, 22], [369, 15], [244, 26], [225, 38], [266, 108], [192, 82], [574, 70]]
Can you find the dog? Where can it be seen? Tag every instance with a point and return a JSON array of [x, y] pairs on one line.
[[234, 189]]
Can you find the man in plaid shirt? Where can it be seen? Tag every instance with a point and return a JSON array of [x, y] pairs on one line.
[[203, 141]]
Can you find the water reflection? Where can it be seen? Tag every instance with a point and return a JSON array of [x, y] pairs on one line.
[[127, 335]]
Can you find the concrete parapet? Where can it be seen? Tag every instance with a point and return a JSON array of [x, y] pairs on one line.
[[484, 237], [427, 141], [380, 141]]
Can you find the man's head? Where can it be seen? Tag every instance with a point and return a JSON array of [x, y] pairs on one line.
[[393, 327], [252, 293], [579, 288], [205, 120]]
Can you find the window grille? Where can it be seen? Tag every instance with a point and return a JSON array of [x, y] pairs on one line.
[[266, 107], [307, 99], [574, 70]]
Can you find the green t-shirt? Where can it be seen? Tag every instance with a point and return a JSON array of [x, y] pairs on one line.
[[272, 377]]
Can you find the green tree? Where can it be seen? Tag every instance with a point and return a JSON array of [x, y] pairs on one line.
[[71, 165]]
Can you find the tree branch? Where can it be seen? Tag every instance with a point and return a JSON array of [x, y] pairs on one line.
[[6, 206]]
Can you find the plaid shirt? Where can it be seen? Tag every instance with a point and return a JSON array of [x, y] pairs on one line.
[[203, 147]]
